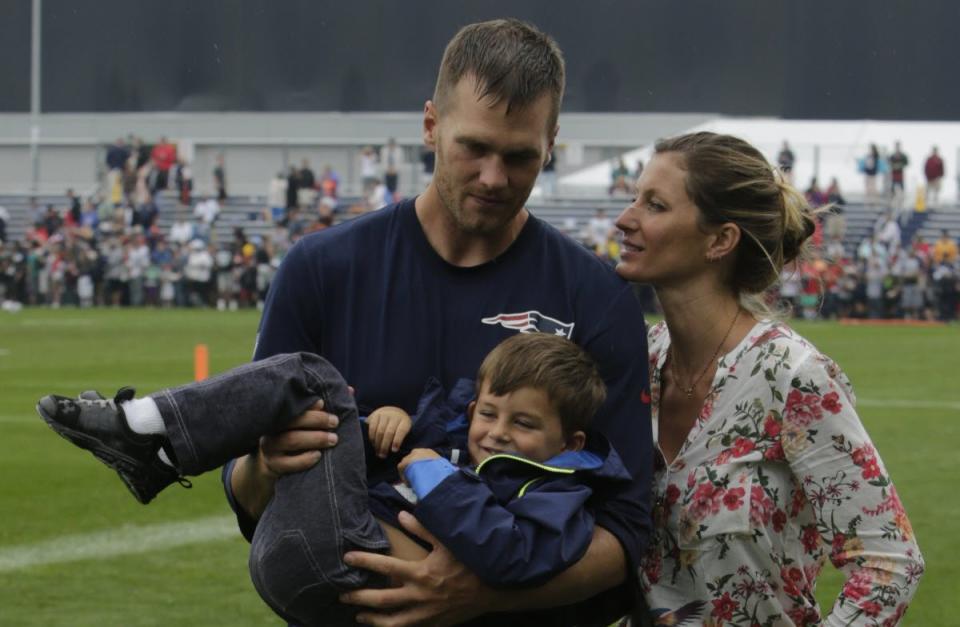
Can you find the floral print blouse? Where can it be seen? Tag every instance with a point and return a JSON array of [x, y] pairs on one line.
[[776, 476]]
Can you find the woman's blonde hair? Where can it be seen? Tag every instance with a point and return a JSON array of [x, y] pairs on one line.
[[731, 181]]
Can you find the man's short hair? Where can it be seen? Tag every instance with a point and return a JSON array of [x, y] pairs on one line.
[[511, 60], [550, 363]]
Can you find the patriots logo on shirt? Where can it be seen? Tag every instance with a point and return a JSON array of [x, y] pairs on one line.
[[531, 322]]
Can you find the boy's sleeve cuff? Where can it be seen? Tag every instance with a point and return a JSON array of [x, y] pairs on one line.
[[426, 474]]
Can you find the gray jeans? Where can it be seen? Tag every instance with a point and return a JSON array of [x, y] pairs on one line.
[[296, 557]]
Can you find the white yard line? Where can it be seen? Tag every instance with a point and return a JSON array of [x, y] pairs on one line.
[[896, 402], [123, 540]]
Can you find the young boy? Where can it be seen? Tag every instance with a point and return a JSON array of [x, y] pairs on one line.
[[516, 515]]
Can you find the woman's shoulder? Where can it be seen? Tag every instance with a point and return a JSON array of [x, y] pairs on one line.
[[798, 358]]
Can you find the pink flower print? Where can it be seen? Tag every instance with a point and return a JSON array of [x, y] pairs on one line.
[[871, 608], [761, 507], [802, 409], [771, 426], [672, 494], [774, 453], [779, 520], [724, 607], [831, 402], [810, 538], [706, 501], [858, 586], [742, 446], [733, 498]]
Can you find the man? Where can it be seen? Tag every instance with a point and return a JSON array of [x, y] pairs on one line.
[[427, 286], [898, 163], [933, 171]]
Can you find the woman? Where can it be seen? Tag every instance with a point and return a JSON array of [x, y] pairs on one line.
[[763, 468]]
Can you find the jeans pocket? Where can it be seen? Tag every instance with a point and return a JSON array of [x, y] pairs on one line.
[[285, 570]]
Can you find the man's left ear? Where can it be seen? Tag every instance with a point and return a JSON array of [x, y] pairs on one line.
[[576, 441], [723, 241], [551, 144]]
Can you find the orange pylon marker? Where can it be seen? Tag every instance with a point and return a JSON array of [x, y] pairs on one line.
[[201, 362]]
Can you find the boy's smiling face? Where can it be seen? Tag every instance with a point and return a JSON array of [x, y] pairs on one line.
[[523, 422]]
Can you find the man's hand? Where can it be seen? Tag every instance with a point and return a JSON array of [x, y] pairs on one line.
[[416, 455], [298, 447], [387, 427], [295, 449], [437, 590]]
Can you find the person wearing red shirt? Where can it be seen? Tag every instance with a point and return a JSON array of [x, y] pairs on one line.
[[933, 170], [163, 156]]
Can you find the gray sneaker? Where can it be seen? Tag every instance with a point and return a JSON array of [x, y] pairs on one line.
[[99, 426]]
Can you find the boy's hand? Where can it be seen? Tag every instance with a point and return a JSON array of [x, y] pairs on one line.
[[414, 456], [387, 427]]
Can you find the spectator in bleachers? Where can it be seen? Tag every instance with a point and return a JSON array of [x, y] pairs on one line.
[[391, 160], [293, 187], [220, 178], [888, 232], [599, 229], [116, 273], [4, 218], [138, 260], [73, 207], [52, 221], [869, 166], [620, 182], [207, 211], [428, 158], [814, 195], [277, 197], [908, 271], [933, 170], [89, 217], [945, 276], [875, 276], [898, 164], [162, 157], [117, 155], [182, 230], [368, 169], [329, 182], [183, 181], [306, 185], [224, 266], [198, 273], [945, 249], [548, 175], [785, 161]]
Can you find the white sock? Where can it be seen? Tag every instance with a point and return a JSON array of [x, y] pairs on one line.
[[143, 416]]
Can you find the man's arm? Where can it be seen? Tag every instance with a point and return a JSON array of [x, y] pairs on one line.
[[442, 591]]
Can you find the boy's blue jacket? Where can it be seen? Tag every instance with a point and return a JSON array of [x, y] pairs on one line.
[[511, 521]]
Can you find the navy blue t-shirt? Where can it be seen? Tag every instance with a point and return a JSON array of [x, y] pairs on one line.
[[375, 299]]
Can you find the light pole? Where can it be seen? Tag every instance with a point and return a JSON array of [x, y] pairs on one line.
[[35, 97]]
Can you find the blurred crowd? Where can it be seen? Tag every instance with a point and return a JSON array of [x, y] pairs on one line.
[[109, 249], [883, 278]]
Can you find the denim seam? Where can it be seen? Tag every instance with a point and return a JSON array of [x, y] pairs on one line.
[[322, 386], [183, 429]]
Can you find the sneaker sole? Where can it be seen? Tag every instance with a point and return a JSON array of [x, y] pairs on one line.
[[124, 465]]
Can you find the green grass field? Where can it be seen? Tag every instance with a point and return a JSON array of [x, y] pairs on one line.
[[59, 508]]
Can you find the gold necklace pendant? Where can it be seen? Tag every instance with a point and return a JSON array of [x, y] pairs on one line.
[[673, 361]]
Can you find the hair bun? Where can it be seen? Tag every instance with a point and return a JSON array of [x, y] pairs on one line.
[[794, 239]]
